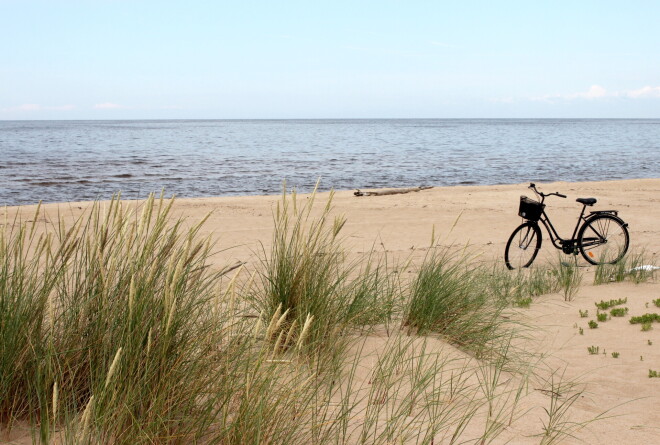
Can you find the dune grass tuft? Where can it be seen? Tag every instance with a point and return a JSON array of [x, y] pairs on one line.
[[630, 267], [112, 316], [306, 280], [451, 297], [568, 276], [520, 286]]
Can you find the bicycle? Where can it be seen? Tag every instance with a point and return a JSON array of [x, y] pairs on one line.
[[602, 237]]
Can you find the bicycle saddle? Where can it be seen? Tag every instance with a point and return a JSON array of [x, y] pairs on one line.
[[586, 201]]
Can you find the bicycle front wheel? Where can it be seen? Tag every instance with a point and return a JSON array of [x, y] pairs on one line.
[[603, 239], [523, 245]]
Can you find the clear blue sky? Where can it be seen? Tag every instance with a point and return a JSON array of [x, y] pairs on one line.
[[116, 59]]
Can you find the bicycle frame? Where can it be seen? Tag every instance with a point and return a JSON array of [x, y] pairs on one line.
[[567, 245]]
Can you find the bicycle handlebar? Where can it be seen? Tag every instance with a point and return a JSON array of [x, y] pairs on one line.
[[543, 195]]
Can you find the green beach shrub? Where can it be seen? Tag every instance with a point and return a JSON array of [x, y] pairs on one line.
[[646, 318], [604, 305], [619, 311]]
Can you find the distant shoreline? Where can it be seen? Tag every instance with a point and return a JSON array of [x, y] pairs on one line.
[[320, 119], [346, 192]]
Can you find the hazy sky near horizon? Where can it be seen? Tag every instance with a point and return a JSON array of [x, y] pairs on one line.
[[120, 59]]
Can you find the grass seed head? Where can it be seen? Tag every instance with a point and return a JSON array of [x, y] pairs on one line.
[[273, 322], [305, 330], [113, 367], [55, 401]]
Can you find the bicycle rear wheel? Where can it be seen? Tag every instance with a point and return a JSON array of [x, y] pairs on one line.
[[603, 239], [523, 245]]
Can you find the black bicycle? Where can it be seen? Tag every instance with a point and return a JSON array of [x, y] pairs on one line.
[[602, 237]]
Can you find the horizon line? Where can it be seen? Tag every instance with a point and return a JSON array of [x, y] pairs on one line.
[[326, 119]]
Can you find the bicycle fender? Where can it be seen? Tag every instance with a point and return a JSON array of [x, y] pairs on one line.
[[612, 213]]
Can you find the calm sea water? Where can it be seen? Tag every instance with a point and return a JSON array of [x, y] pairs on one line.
[[83, 160]]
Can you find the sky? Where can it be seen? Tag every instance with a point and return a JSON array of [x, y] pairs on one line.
[[244, 59]]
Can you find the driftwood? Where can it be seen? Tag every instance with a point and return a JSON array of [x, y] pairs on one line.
[[391, 192]]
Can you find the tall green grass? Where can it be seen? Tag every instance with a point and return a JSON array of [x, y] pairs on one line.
[[305, 284], [111, 317], [449, 296]]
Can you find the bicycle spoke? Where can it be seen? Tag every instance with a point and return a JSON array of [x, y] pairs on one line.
[[522, 247], [603, 240]]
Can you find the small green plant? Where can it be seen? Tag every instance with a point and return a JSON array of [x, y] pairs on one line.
[[657, 302], [601, 316], [593, 350], [619, 311], [649, 342], [653, 374], [592, 324], [523, 302], [646, 318], [584, 314], [558, 423], [604, 305], [647, 326], [615, 355], [581, 331]]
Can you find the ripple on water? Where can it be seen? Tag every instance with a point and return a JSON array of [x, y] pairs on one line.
[[59, 160]]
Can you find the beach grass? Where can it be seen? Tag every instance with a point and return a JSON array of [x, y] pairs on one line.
[[567, 275], [112, 318], [117, 329], [306, 293], [457, 299], [520, 286], [636, 266]]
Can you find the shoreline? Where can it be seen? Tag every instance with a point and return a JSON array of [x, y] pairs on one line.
[[324, 191], [480, 216]]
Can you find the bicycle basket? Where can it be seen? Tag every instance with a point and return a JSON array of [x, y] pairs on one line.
[[530, 209]]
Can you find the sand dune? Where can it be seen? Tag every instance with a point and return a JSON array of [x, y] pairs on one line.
[[483, 217]]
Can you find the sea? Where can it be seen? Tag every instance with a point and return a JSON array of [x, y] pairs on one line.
[[58, 161]]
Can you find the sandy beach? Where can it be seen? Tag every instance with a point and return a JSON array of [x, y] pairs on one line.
[[483, 217]]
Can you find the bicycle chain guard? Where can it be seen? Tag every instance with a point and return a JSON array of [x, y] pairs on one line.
[[569, 247]]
